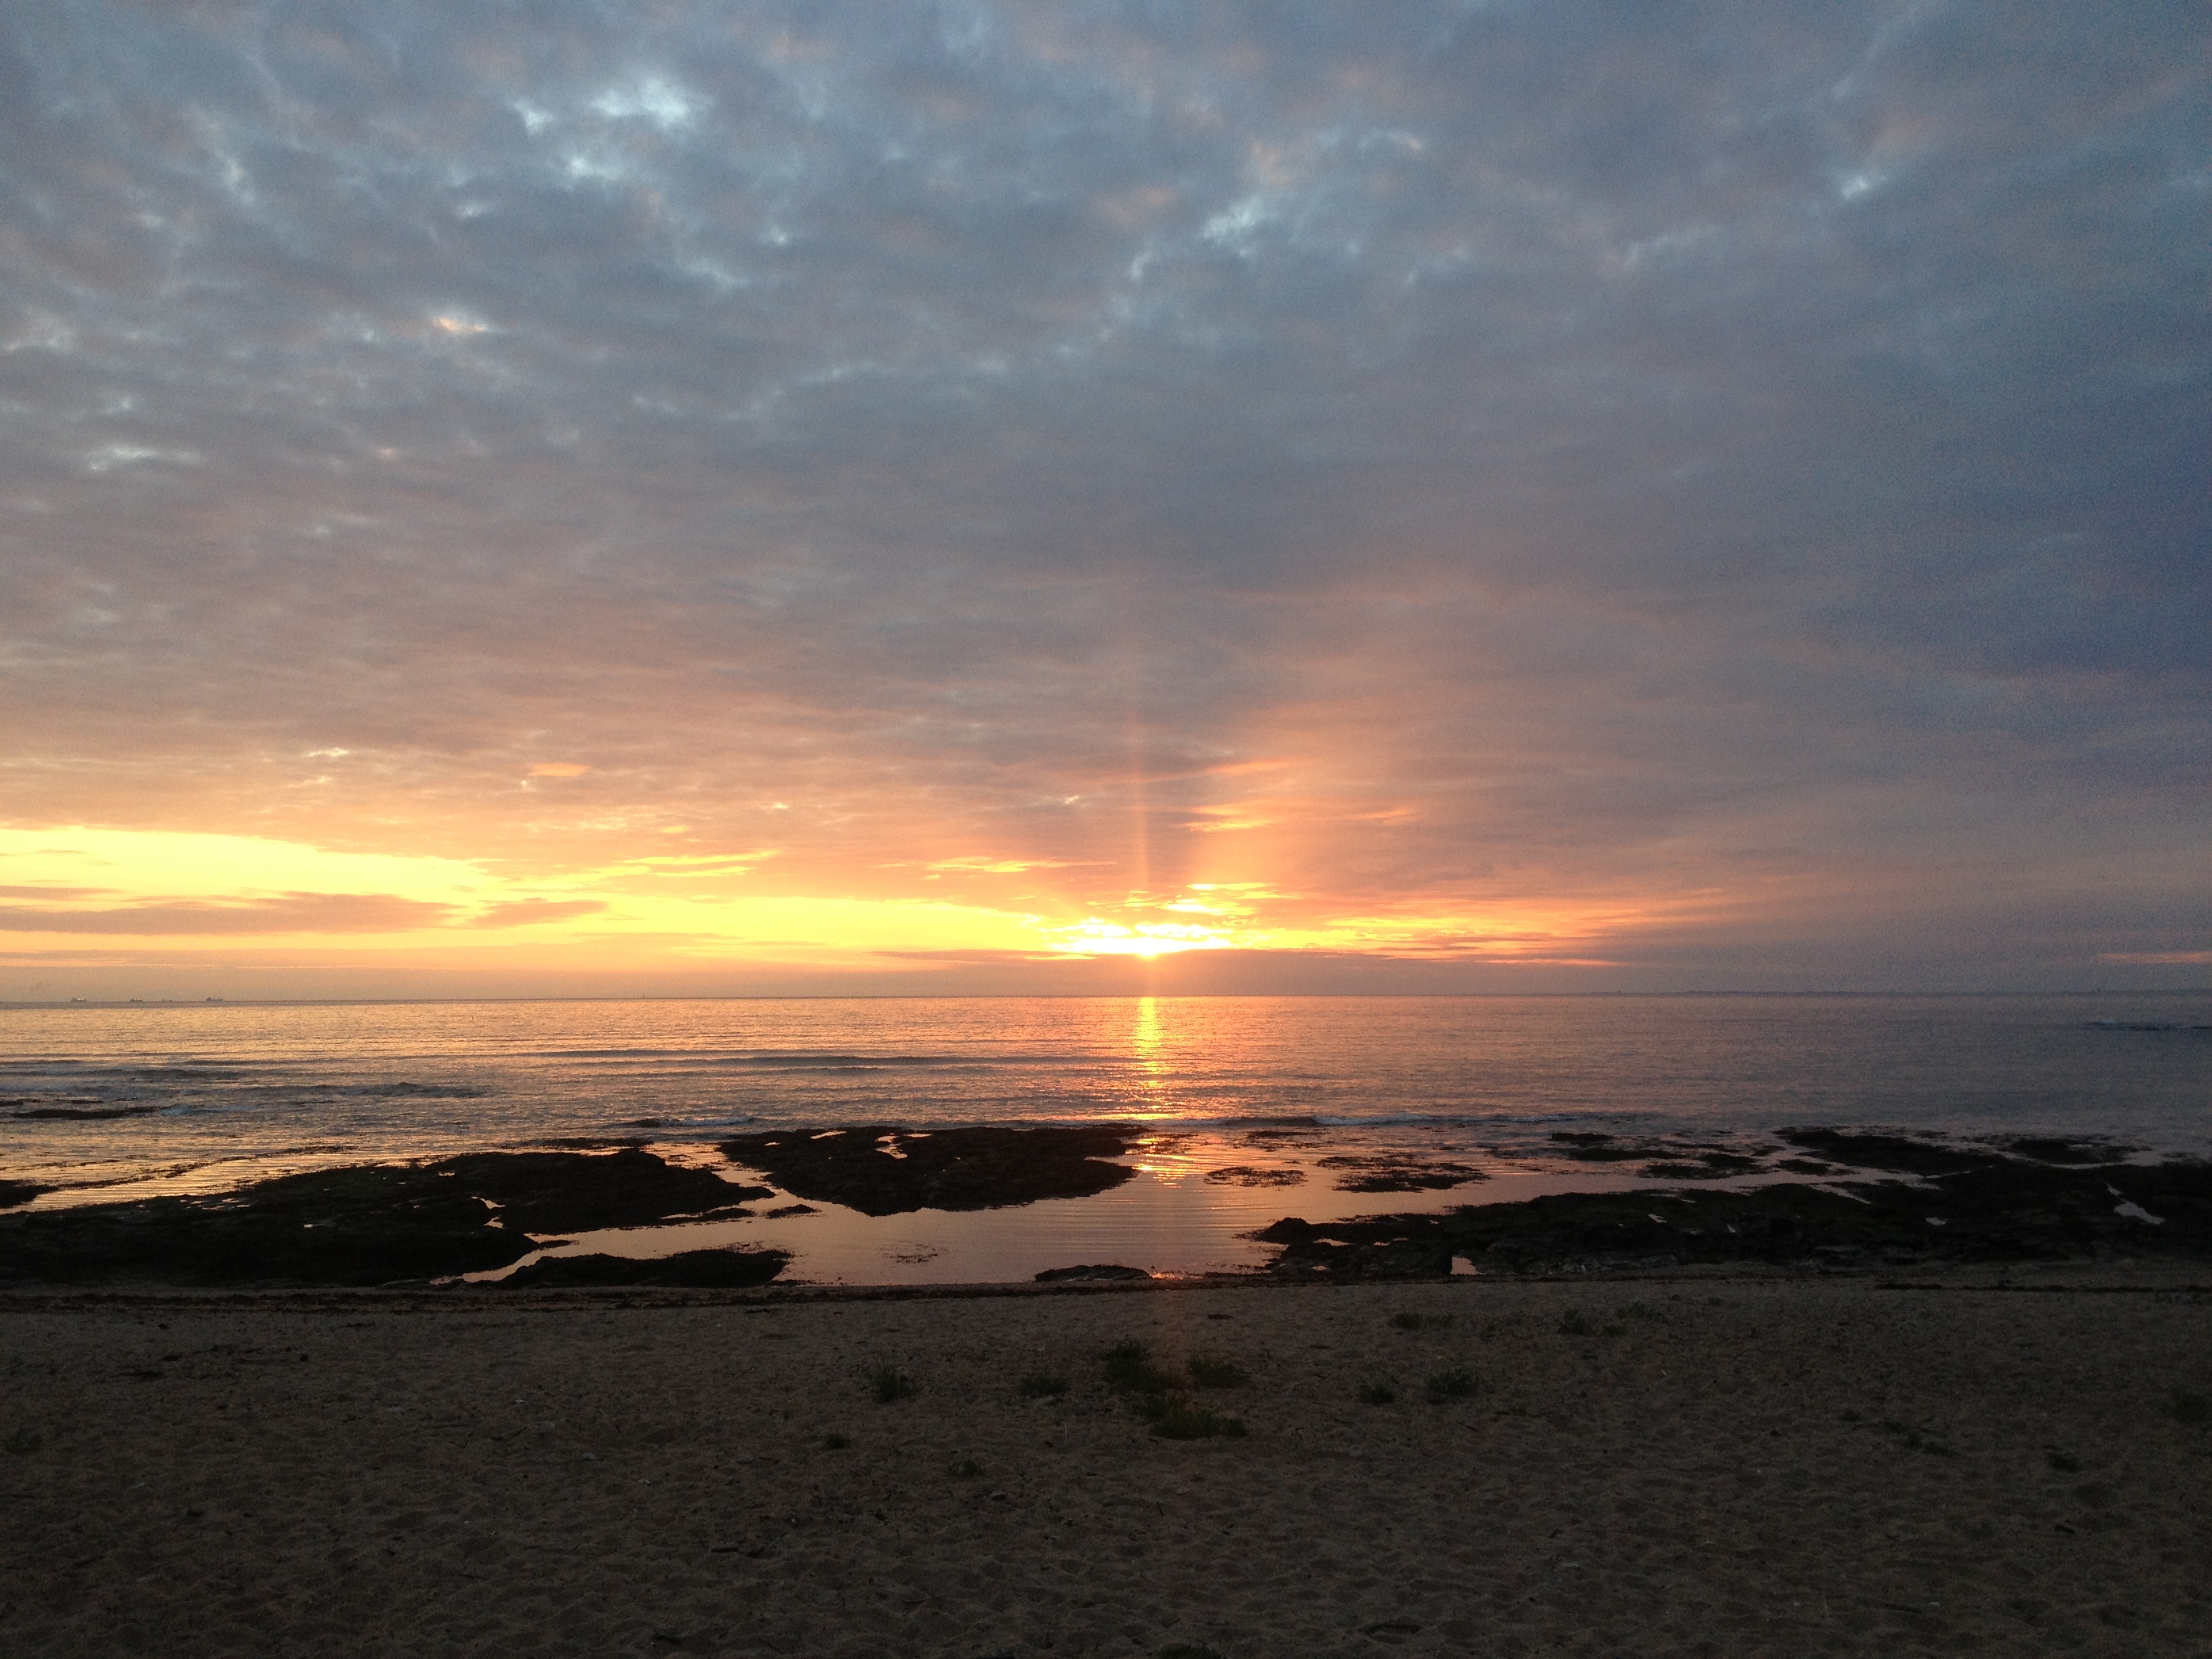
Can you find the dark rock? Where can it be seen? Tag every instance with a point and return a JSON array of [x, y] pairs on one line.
[[1879, 1151], [1245, 1175], [1382, 1173], [1423, 1255], [13, 1192], [2053, 1150], [1994, 1208], [881, 1170], [414, 1235], [1588, 1147], [1099, 1270], [695, 1269], [370, 1224], [563, 1192]]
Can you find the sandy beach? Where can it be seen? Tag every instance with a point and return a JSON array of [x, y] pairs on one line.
[[1717, 1465]]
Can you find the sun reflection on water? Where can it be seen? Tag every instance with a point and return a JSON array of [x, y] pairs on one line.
[[1147, 1047]]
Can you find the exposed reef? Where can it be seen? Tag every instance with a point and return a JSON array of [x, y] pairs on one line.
[[1247, 1175], [1385, 1174], [2020, 1202], [1672, 1159], [371, 1225], [883, 1169]]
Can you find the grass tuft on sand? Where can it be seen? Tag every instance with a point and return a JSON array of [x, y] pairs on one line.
[[1415, 1322], [1211, 1370], [888, 1382], [1129, 1369], [1178, 1421]]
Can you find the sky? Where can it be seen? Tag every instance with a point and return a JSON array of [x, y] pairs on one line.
[[573, 497]]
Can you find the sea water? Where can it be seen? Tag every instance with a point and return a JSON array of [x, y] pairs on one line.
[[102, 1103]]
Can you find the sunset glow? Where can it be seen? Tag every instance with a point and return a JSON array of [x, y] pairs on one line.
[[718, 500]]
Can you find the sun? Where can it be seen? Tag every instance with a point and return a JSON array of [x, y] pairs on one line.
[[1093, 938]]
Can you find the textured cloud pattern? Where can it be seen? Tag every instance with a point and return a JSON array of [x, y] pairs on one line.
[[1737, 475]]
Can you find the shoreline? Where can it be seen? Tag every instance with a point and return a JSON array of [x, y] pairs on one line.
[[2134, 1275], [1030, 1201]]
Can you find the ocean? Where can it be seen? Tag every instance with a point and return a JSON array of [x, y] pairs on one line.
[[1254, 1107]]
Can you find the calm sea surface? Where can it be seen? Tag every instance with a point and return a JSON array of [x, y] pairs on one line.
[[219, 1094]]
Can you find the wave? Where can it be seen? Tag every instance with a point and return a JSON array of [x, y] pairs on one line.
[[806, 1061], [799, 1059], [400, 1090], [685, 1124], [608, 1054]]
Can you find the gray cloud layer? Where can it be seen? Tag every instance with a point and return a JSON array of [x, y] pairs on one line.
[[1664, 447], [290, 913]]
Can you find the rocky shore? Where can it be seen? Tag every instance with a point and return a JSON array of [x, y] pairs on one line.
[[1882, 1201], [1850, 1200]]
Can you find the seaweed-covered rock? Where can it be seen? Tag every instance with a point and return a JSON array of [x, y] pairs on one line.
[[881, 1169], [1982, 1206], [1360, 1250], [1370, 1173], [1247, 1175], [562, 1193], [1588, 1146], [1100, 1271], [368, 1225], [1903, 1154]]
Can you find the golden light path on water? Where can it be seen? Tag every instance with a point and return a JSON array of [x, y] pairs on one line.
[[1145, 1044]]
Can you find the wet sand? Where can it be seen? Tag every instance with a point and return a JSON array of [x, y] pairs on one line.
[[1680, 1464]]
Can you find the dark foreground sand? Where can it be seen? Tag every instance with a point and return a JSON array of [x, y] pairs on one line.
[[1732, 1467]]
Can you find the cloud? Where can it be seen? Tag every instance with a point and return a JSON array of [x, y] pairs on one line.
[[525, 913], [289, 912], [1435, 455]]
